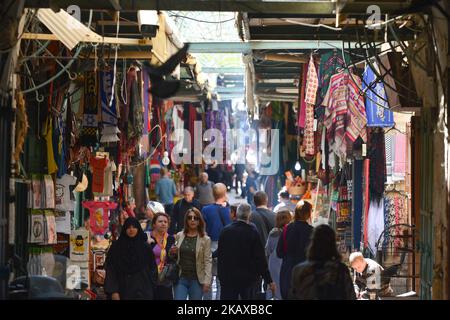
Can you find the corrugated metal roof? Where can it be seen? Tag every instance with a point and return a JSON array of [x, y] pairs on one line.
[[66, 28]]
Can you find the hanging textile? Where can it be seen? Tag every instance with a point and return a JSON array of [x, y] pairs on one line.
[[302, 103], [375, 225], [345, 117], [366, 201], [312, 83], [135, 117], [377, 109], [399, 168], [329, 63], [88, 135], [377, 156], [357, 202], [109, 109]]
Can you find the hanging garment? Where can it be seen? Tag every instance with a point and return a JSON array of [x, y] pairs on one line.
[[109, 110], [377, 156], [48, 134], [399, 169], [312, 83], [390, 147], [59, 147], [108, 180], [366, 199], [50, 224], [98, 172], [377, 107], [357, 202], [345, 117], [136, 117], [36, 227], [310, 98], [329, 63], [49, 192], [63, 201], [88, 135], [302, 103], [375, 224], [99, 215]]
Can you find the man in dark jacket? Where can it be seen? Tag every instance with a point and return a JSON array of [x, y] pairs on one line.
[[182, 206], [262, 217], [241, 259]]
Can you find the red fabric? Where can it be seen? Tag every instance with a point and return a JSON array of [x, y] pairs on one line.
[[99, 219], [98, 167]]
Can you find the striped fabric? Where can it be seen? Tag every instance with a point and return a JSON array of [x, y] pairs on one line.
[[345, 117]]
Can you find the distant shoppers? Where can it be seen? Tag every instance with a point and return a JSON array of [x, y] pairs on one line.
[[292, 244], [166, 190], [216, 217], [368, 277], [241, 260], [228, 175], [262, 217], [283, 217], [194, 258], [182, 206], [323, 276], [131, 271], [284, 202], [239, 169], [204, 190], [162, 241], [215, 172], [251, 187]]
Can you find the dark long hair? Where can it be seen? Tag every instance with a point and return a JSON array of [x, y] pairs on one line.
[[201, 222], [323, 245]]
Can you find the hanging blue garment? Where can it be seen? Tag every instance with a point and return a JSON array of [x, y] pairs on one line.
[[357, 202], [377, 112]]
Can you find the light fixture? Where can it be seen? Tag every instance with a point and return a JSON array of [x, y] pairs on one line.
[[166, 159], [148, 22], [297, 166]]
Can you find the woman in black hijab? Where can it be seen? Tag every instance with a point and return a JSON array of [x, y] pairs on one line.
[[130, 265]]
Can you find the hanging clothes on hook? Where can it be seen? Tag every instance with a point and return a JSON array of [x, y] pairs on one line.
[[377, 108]]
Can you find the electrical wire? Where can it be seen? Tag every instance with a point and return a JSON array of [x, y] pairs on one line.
[[155, 148], [199, 20], [67, 66], [115, 61]]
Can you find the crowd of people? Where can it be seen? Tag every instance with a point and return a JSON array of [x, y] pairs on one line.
[[179, 250]]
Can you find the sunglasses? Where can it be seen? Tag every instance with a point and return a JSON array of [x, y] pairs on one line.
[[194, 218]]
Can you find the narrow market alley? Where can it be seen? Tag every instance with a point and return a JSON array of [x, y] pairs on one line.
[[224, 150]]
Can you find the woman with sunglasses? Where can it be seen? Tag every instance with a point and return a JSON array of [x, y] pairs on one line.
[[193, 248]]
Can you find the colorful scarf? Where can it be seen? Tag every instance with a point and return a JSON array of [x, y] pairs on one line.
[[90, 115]]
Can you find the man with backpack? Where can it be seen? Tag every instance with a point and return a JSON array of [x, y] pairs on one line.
[[216, 216]]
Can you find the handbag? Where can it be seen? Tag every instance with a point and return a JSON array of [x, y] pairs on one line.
[[169, 273]]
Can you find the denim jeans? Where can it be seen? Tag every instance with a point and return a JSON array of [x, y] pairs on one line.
[[188, 288]]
